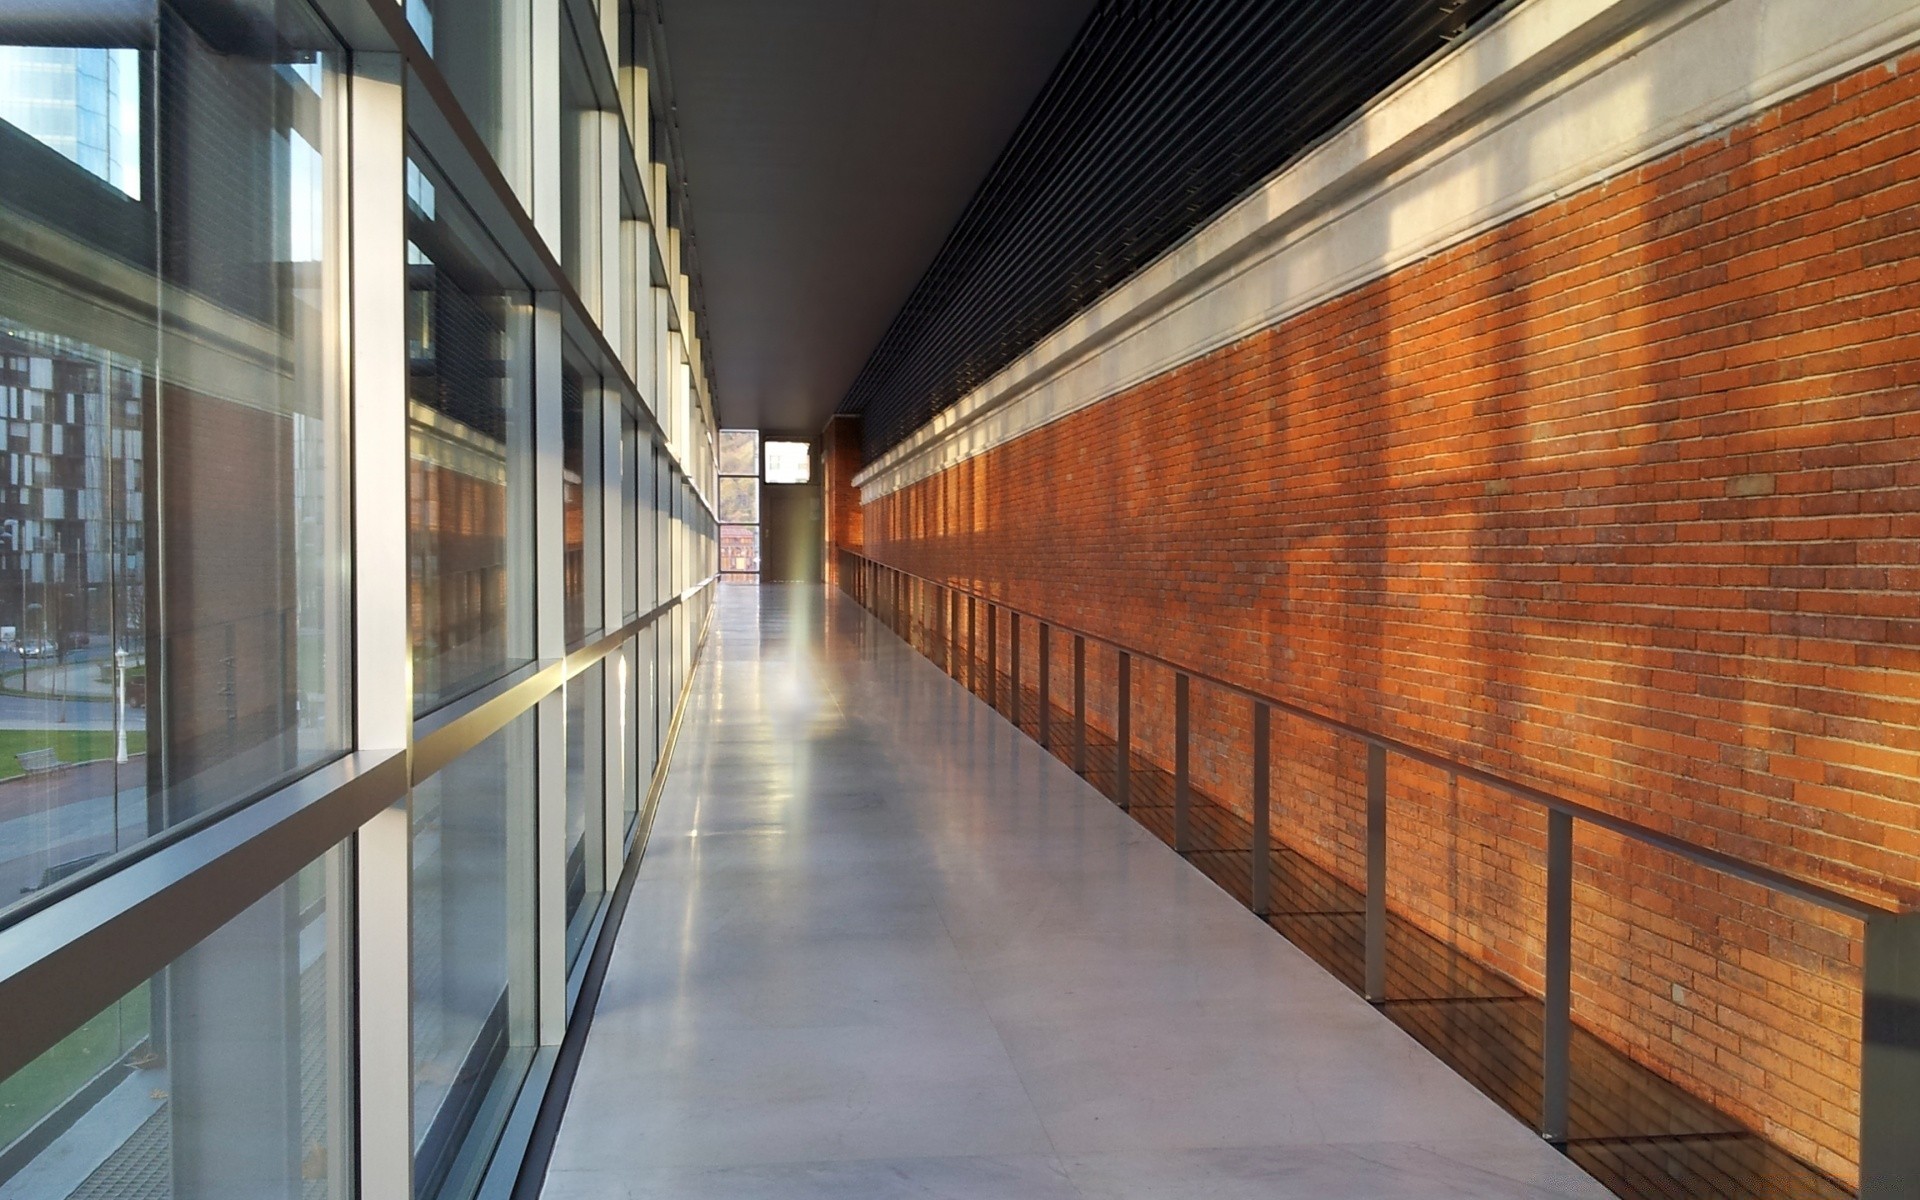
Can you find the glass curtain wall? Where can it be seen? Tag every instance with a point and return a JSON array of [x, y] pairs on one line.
[[739, 501], [173, 573], [469, 446], [197, 367]]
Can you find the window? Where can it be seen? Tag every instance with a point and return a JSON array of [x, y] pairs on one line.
[[586, 802], [789, 462], [473, 949], [738, 454], [173, 594], [470, 520], [580, 231], [580, 420], [223, 1075], [482, 48]]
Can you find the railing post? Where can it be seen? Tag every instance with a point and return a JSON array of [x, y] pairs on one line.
[[1376, 873], [1046, 684], [993, 661], [1013, 652], [1123, 736], [953, 635], [1890, 1058], [1259, 886], [1557, 1032], [1080, 704], [1182, 823], [973, 638]]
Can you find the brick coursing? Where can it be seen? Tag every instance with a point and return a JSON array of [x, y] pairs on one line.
[[840, 460], [1621, 498]]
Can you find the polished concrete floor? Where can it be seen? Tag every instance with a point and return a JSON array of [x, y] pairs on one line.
[[881, 945]]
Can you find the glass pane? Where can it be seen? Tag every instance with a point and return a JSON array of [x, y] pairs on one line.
[[631, 449], [789, 462], [223, 1075], [579, 175], [739, 548], [481, 47], [739, 452], [473, 950], [643, 532], [83, 102], [662, 479], [165, 657], [469, 535], [740, 500], [586, 802], [580, 475], [644, 750]]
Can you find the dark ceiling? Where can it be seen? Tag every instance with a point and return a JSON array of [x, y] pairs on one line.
[[829, 148]]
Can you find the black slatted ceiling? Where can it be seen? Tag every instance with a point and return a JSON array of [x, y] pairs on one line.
[[1160, 116]]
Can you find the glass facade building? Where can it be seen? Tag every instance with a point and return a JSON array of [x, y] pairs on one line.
[[356, 543]]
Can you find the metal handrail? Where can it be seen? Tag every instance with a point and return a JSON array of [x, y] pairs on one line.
[[1890, 1045], [1728, 864]]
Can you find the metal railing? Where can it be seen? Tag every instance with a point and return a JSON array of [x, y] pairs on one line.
[[1890, 1047]]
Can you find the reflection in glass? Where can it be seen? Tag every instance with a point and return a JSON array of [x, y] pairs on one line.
[[631, 477], [173, 591], [640, 539], [586, 802], [469, 527], [580, 477], [81, 101], [480, 47], [223, 1075], [664, 583], [472, 954], [579, 175], [639, 733]]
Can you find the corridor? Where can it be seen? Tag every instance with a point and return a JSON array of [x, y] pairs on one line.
[[882, 945]]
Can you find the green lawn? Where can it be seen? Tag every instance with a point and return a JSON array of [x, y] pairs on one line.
[[70, 745], [41, 1086]]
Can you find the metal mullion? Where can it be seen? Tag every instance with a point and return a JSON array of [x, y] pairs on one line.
[[548, 910], [65, 963], [615, 552], [382, 642]]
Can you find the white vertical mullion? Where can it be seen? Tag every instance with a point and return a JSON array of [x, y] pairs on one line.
[[608, 129], [544, 44], [609, 12], [383, 675], [614, 714]]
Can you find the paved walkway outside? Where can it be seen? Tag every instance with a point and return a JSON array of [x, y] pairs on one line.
[[882, 945]]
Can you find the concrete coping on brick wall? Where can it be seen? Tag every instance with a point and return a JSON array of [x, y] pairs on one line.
[[1547, 99]]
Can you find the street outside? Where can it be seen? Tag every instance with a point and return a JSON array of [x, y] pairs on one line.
[[87, 805]]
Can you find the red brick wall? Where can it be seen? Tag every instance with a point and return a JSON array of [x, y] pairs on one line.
[[840, 459], [1622, 499]]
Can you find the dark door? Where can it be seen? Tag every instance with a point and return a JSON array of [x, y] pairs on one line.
[[791, 532]]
